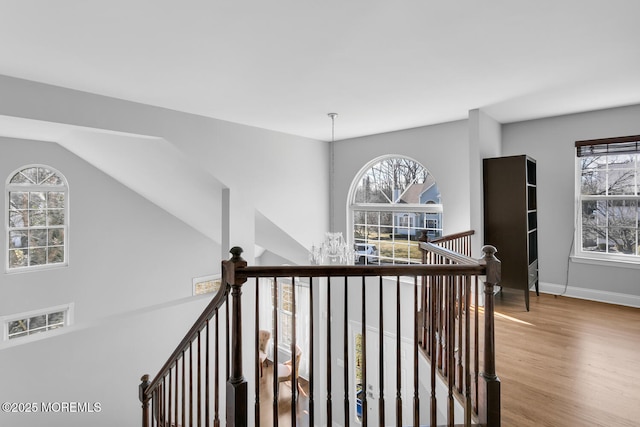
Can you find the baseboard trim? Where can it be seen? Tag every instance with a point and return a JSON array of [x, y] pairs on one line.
[[591, 294]]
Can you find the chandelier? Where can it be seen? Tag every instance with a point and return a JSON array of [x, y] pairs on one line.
[[333, 250]]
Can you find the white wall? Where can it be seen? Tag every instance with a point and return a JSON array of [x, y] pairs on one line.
[[443, 149], [125, 260], [270, 172], [130, 266], [551, 142], [100, 364], [124, 252], [485, 137]]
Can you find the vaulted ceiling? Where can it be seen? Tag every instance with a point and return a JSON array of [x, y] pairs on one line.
[[382, 65]]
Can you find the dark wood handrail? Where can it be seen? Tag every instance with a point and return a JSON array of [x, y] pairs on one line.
[[450, 237], [450, 255], [359, 270], [446, 288], [216, 303]]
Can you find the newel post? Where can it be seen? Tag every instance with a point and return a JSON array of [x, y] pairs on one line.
[[489, 383], [144, 399], [237, 388]]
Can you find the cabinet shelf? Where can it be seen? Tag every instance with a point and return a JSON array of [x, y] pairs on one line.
[[511, 219]]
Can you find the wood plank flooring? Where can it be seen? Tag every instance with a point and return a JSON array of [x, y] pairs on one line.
[[284, 403], [567, 362]]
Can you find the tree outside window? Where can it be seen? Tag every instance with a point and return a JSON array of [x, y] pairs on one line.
[[609, 205], [393, 201], [37, 218]]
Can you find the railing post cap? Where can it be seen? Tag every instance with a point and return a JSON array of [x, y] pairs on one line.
[[236, 253], [145, 378], [489, 250]]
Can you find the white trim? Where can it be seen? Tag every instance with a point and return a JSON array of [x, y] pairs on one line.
[[68, 321], [609, 262], [591, 294], [398, 207]]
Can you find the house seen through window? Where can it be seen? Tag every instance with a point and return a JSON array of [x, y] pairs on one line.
[[393, 201]]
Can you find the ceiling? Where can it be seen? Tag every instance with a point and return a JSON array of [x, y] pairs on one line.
[[382, 65]]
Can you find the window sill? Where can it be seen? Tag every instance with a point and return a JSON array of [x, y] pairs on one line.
[[581, 259]]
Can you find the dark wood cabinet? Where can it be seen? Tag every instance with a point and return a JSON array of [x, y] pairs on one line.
[[511, 219]]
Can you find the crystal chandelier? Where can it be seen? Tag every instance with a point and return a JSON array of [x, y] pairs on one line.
[[333, 250]]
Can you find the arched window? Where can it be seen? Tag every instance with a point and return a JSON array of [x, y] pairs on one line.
[[393, 200], [37, 226]]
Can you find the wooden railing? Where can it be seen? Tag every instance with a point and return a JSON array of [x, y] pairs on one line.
[[443, 326], [458, 242], [170, 399]]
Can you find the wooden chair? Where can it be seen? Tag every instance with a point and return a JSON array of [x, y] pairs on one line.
[[263, 342], [285, 371]]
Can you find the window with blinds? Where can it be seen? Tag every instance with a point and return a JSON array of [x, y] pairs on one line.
[[608, 171]]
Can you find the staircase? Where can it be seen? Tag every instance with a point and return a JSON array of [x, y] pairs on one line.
[[421, 342]]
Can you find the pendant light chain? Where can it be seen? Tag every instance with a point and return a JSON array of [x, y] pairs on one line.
[[333, 125]]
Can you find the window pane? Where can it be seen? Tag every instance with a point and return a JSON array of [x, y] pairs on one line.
[[37, 322], [286, 298], [55, 199], [621, 181], [56, 237], [56, 254], [18, 258], [17, 239], [18, 219], [285, 329], [37, 256], [31, 174], [358, 217], [394, 180], [55, 217], [43, 175], [53, 180], [37, 238], [37, 218], [594, 176], [37, 200], [589, 238], [55, 320], [20, 178], [17, 326], [19, 200]]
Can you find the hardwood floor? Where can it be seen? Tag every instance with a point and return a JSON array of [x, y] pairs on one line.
[[567, 362], [284, 403]]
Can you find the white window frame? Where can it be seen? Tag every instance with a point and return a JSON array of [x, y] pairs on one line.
[[281, 312], [394, 208], [596, 257], [64, 188], [68, 310]]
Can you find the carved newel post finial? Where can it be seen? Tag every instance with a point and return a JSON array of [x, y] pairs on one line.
[[493, 264], [144, 384], [236, 253]]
